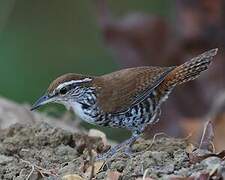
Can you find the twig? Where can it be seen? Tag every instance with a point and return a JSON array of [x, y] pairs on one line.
[[145, 174], [92, 161], [154, 138], [39, 169], [32, 168], [207, 137], [166, 135]]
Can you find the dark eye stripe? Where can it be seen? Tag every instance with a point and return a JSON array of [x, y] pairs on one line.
[[69, 87]]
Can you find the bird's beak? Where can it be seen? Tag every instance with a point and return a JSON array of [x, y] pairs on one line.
[[41, 101]]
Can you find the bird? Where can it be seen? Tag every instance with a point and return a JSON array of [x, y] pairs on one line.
[[129, 98]]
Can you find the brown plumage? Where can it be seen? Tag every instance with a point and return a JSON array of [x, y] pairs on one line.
[[121, 89], [129, 98], [188, 71]]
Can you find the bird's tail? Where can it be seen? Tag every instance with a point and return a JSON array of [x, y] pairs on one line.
[[191, 69]]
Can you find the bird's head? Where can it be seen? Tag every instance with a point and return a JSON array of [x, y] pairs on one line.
[[65, 89]]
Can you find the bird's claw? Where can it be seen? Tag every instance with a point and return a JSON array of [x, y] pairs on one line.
[[105, 156], [128, 151]]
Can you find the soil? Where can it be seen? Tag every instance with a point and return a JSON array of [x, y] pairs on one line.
[[40, 151]]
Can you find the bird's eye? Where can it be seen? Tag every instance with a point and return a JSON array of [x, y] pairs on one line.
[[63, 90]]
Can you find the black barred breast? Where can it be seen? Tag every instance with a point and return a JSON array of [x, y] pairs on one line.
[[137, 116]]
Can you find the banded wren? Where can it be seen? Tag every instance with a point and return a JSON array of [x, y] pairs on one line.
[[129, 98]]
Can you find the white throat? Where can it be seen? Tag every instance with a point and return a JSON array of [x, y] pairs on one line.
[[79, 111]]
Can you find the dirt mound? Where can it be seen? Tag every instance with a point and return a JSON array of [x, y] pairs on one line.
[[39, 151], [24, 146]]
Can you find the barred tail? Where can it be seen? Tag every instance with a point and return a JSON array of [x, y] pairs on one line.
[[191, 69]]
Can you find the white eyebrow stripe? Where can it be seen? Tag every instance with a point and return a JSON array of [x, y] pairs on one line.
[[73, 81]]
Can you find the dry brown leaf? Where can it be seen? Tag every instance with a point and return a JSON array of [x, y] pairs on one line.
[[194, 158], [204, 176], [72, 177], [97, 167], [194, 126], [207, 137], [113, 175]]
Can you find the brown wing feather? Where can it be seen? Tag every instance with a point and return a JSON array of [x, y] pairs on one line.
[[123, 88]]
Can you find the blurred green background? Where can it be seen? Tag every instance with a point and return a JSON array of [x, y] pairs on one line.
[[40, 40]]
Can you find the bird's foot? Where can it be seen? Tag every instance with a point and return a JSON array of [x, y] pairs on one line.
[[106, 155], [111, 152], [128, 151]]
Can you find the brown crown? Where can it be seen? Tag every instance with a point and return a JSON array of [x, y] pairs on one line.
[[64, 78]]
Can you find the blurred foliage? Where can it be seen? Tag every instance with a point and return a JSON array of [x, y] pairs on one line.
[[40, 40]]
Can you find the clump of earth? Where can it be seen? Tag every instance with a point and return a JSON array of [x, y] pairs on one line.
[[40, 151]]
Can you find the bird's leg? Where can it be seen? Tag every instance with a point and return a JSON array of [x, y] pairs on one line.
[[128, 149], [116, 148]]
